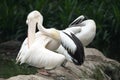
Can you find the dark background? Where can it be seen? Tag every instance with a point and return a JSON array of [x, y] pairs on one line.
[[59, 14]]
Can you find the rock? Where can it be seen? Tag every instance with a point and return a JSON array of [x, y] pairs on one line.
[[28, 77], [95, 67], [2, 79], [9, 49]]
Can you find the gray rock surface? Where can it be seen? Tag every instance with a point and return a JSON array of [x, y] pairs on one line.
[[95, 67], [9, 49], [2, 79], [28, 77]]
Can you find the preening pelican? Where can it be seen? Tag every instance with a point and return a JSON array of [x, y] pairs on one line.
[[39, 48], [36, 50], [84, 29]]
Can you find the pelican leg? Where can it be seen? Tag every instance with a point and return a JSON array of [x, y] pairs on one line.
[[43, 72], [64, 63]]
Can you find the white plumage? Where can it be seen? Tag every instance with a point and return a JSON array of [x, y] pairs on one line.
[[68, 44], [84, 30], [35, 49], [40, 49]]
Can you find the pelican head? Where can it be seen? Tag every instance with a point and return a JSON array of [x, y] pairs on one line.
[[33, 18], [36, 16], [80, 19]]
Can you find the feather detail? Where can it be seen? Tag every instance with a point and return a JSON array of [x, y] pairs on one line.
[[79, 55], [76, 55], [67, 42], [37, 55]]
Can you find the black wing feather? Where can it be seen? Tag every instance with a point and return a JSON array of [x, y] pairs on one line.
[[78, 55]]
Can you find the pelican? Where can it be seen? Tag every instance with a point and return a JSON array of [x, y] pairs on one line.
[[84, 29], [36, 50], [39, 49]]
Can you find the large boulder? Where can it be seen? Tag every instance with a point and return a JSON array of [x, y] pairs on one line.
[[95, 67], [9, 49], [28, 77]]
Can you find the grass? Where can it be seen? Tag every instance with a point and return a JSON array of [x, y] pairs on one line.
[[8, 68]]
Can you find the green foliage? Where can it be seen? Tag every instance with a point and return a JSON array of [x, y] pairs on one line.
[[59, 14], [8, 68]]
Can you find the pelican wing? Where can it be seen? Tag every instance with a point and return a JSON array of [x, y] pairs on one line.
[[73, 30], [37, 55], [67, 42], [23, 50], [76, 26], [72, 48], [79, 56]]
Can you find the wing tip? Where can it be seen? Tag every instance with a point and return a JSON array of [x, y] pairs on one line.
[[79, 54], [77, 62]]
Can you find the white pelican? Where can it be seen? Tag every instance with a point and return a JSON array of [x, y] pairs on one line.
[[39, 49], [35, 50], [84, 29]]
